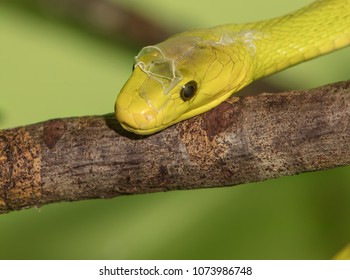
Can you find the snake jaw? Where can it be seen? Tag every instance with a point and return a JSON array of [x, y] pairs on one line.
[[143, 121]]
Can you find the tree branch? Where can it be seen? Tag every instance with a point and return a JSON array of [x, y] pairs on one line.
[[104, 18], [252, 139]]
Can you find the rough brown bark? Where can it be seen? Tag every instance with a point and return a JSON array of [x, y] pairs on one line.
[[252, 139]]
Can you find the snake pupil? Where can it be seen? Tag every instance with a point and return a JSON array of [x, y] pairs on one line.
[[188, 90]]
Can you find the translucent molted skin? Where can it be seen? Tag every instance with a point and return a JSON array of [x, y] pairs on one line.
[[222, 60]]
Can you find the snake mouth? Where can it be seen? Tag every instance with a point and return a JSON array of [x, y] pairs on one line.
[[140, 103], [143, 123]]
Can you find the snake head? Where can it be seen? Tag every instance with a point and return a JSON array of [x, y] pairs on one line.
[[179, 78]]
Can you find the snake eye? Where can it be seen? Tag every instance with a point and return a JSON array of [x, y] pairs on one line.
[[188, 90]]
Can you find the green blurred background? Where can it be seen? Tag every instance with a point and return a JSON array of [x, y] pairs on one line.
[[51, 69]]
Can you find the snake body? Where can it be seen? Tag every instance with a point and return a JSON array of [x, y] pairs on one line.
[[194, 71]]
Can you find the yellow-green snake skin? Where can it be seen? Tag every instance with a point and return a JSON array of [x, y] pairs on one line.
[[194, 71]]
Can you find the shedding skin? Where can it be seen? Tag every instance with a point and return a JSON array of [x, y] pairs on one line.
[[222, 60]]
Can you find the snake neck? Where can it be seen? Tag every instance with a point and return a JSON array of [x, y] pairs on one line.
[[276, 44]]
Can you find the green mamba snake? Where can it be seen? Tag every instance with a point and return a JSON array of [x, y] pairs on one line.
[[194, 71]]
